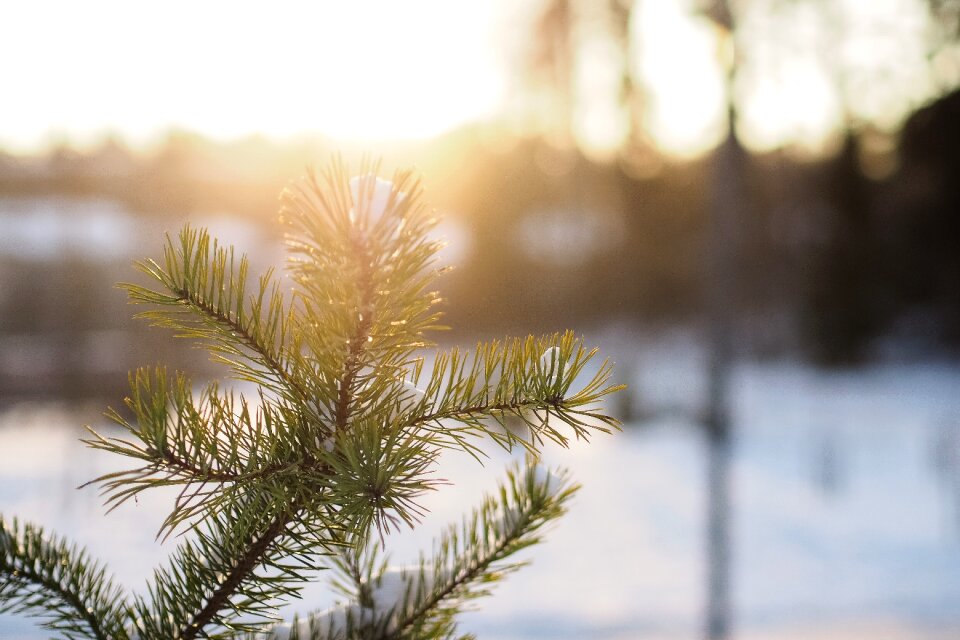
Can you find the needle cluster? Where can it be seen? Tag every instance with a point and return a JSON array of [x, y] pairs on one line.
[[331, 451]]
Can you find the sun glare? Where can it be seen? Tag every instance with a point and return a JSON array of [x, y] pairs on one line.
[[677, 60], [796, 104], [376, 70], [361, 70]]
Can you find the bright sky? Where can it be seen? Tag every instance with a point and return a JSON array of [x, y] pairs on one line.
[[789, 90], [378, 69], [353, 69]]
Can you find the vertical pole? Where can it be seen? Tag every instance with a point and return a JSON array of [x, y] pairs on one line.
[[726, 201]]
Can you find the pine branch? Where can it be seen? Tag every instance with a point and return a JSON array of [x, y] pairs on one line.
[[382, 318], [469, 558], [353, 260], [44, 576], [378, 473], [358, 340], [527, 381], [421, 603], [217, 449], [340, 440], [206, 297], [242, 564], [218, 600], [215, 446]]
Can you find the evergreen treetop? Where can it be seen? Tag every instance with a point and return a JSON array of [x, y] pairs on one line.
[[331, 452]]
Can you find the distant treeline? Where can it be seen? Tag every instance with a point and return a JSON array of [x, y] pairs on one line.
[[831, 263]]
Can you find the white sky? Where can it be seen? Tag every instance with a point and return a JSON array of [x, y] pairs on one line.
[[378, 69], [357, 69]]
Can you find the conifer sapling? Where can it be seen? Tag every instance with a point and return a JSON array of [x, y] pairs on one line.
[[333, 449]]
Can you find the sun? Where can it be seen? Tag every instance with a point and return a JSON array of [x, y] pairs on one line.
[[381, 71]]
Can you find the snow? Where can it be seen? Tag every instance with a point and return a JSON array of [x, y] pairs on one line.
[[371, 195], [333, 622], [48, 228], [388, 592], [551, 366], [845, 511], [398, 585], [410, 396], [548, 479]]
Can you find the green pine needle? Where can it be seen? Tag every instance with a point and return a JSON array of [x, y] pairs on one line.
[[333, 450], [43, 575]]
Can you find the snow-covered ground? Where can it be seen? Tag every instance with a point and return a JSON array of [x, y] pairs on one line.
[[845, 514]]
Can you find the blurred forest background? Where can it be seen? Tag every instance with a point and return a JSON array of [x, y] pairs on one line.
[[754, 205], [583, 201]]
